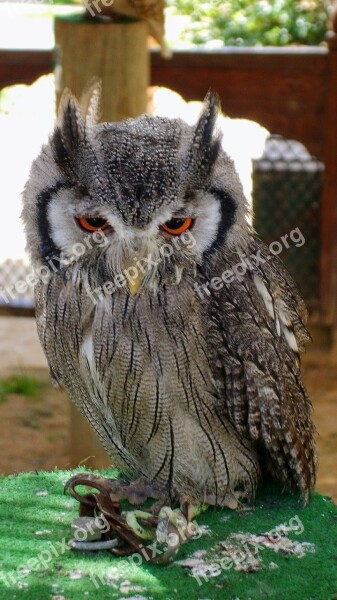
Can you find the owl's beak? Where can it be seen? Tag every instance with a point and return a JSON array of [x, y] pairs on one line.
[[134, 277], [133, 284]]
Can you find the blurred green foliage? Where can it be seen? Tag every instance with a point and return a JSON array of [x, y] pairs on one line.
[[254, 22], [23, 384]]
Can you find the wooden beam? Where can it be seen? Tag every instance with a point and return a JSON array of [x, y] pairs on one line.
[[24, 66], [282, 89]]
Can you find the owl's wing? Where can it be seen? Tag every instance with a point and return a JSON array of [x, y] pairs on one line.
[[261, 319]]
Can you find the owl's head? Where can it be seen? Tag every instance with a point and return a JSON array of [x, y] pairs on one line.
[[150, 200]]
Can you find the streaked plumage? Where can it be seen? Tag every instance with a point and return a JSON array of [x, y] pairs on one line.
[[199, 393]]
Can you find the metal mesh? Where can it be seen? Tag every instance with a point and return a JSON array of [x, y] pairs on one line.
[[15, 289], [287, 189]]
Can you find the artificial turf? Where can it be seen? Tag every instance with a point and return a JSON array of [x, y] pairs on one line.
[[35, 524]]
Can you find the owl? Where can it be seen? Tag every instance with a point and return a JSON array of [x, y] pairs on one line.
[[185, 365]]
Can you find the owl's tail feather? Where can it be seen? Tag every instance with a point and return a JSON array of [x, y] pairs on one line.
[[283, 428]]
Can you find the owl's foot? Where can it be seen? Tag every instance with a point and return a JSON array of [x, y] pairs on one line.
[[105, 524]]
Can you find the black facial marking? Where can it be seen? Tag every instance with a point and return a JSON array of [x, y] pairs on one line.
[[47, 247], [227, 209]]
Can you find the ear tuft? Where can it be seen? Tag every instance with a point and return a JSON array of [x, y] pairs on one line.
[[205, 127], [206, 142], [90, 103], [68, 135], [70, 118]]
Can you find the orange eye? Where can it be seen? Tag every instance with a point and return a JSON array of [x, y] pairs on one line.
[[92, 223], [177, 225]]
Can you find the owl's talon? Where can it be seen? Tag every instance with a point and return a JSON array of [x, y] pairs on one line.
[[131, 518], [192, 511], [175, 528], [171, 527]]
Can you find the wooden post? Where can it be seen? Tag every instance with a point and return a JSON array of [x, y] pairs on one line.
[[84, 446], [116, 52]]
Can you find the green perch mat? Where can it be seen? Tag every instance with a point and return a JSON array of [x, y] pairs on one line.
[[278, 550]]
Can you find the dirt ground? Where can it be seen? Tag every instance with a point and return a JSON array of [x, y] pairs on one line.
[[321, 383], [36, 432]]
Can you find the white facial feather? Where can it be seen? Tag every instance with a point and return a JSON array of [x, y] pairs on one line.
[[207, 214], [127, 241], [64, 231]]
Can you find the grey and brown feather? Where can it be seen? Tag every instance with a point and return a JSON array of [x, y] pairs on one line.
[[198, 395]]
